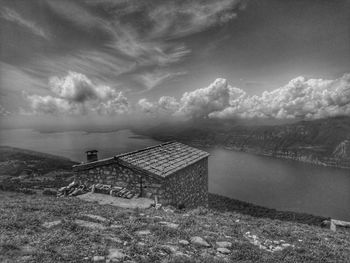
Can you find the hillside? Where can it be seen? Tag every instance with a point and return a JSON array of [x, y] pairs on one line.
[[21, 169], [322, 142], [36, 228]]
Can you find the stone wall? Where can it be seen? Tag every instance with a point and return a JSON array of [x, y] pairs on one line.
[[187, 187], [118, 175]]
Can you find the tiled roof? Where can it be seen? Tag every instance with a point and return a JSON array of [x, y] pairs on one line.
[[160, 160], [164, 159]]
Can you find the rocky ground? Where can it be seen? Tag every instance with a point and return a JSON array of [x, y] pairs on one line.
[[37, 228]]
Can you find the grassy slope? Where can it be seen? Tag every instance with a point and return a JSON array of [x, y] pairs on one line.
[[24, 239], [15, 160]]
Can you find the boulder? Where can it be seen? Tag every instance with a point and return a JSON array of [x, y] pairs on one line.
[[198, 241], [223, 250], [224, 244]]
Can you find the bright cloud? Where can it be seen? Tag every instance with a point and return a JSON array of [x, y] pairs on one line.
[[77, 94], [300, 98]]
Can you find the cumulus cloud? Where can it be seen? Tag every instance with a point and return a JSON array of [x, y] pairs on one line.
[[300, 98], [77, 94], [11, 15], [165, 106]]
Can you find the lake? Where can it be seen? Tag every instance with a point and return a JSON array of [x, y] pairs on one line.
[[274, 183]]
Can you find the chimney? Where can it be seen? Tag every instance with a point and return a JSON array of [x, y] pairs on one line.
[[91, 156]]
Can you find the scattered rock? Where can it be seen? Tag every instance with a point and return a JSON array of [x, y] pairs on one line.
[[143, 232], [268, 245], [52, 223], [181, 254], [97, 217], [169, 224], [224, 244], [98, 259], [88, 224], [170, 249], [223, 250], [115, 239], [27, 250], [184, 242], [115, 226], [199, 242], [115, 253]]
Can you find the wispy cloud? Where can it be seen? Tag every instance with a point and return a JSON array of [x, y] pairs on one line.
[[146, 33], [156, 78], [11, 15]]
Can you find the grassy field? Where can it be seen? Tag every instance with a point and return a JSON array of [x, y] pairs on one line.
[[26, 234]]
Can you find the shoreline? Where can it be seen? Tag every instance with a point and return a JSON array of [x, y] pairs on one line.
[[329, 162]]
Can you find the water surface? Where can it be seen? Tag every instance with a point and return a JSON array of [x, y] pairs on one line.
[[275, 183]]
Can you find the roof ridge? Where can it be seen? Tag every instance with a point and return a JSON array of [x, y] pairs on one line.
[[142, 150]]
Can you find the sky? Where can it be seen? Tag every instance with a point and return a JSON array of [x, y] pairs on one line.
[[226, 59]]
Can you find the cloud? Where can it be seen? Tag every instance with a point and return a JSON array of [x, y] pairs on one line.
[[301, 98], [77, 94], [146, 33], [11, 15], [182, 18], [3, 111], [165, 106], [156, 78]]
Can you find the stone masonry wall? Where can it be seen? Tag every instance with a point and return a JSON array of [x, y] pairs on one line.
[[118, 175], [189, 186]]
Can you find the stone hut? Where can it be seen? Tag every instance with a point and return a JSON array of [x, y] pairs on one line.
[[172, 172]]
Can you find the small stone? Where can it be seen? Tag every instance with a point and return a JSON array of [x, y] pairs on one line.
[[115, 253], [98, 259], [199, 242], [143, 232], [170, 249], [286, 245], [141, 244], [115, 239], [168, 224], [223, 250], [97, 217], [184, 242], [180, 254], [277, 248], [224, 244], [52, 223]]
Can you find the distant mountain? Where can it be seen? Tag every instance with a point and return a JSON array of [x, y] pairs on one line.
[[323, 141]]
